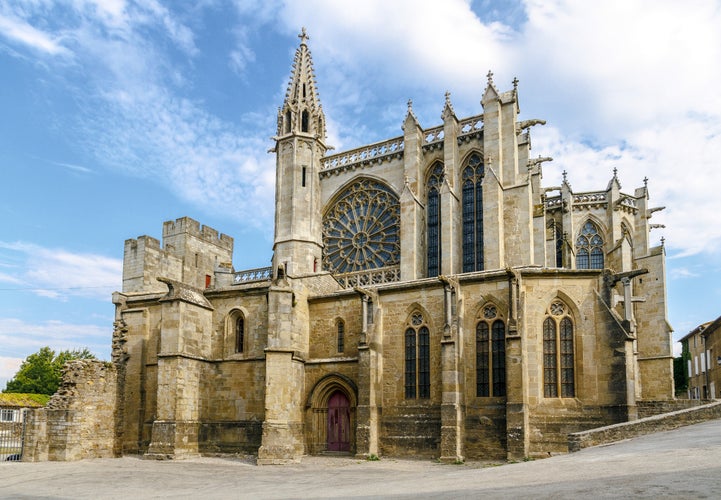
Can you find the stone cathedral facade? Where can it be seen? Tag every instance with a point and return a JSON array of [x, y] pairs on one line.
[[428, 296]]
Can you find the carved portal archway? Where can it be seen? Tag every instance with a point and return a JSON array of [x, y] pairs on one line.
[[331, 415]]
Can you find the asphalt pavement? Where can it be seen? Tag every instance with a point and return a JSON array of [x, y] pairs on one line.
[[683, 463]]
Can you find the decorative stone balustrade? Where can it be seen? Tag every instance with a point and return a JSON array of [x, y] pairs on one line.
[[253, 275], [589, 198], [554, 202], [369, 277], [470, 126], [433, 135], [352, 159]]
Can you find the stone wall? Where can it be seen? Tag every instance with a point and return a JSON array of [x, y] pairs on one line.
[[79, 420], [651, 408], [657, 423]]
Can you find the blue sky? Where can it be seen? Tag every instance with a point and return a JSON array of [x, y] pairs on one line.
[[118, 115]]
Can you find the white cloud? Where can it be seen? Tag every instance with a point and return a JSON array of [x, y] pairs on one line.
[[627, 85], [8, 369], [19, 338], [58, 273], [18, 30]]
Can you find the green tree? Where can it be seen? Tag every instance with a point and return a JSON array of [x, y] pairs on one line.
[[41, 372]]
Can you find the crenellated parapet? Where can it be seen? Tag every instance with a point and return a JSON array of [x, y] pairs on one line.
[[190, 253], [190, 227]]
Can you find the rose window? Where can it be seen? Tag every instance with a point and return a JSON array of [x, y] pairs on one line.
[[361, 229]]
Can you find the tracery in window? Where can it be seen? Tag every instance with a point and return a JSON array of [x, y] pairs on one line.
[[490, 354], [589, 247], [361, 230], [558, 352], [472, 193], [417, 358], [433, 220]]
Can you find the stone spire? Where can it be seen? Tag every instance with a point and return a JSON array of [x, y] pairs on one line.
[[301, 111]]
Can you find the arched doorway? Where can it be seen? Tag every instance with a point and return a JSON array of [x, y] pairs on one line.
[[338, 422]]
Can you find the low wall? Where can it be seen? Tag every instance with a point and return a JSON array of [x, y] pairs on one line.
[[79, 420], [626, 430], [650, 408]]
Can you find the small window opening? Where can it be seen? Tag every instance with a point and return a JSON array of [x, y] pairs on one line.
[[304, 122], [341, 336], [287, 122], [239, 334], [303, 177]]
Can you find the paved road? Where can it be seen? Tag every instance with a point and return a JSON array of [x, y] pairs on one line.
[[685, 463]]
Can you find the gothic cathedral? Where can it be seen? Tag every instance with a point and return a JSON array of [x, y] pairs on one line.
[[428, 296]]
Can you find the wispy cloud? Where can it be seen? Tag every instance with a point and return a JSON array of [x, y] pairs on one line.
[[625, 93], [19, 31], [57, 273], [19, 338]]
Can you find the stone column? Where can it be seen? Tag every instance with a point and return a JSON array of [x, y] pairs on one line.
[[517, 427], [367, 420], [185, 331], [282, 440], [451, 411]]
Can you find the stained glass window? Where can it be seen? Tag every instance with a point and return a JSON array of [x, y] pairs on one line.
[[558, 353], [490, 354], [361, 229], [341, 335], [472, 213], [417, 359], [433, 220], [589, 248]]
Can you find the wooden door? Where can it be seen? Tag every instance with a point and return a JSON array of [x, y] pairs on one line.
[[338, 422]]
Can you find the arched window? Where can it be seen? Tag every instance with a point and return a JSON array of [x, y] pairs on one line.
[[473, 214], [304, 121], [239, 333], [490, 354], [589, 248], [557, 234], [417, 358], [287, 121], [558, 352], [341, 335], [433, 220]]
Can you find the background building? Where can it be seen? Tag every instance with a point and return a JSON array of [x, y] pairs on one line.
[[428, 296], [701, 349]]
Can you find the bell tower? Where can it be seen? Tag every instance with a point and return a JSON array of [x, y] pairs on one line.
[[299, 146]]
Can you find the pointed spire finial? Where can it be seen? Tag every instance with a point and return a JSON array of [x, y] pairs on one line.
[[490, 77], [303, 36], [448, 97], [645, 182], [410, 105], [564, 174], [615, 173], [663, 241], [515, 83]]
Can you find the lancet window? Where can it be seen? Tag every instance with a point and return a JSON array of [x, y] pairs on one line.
[[490, 354], [361, 230], [239, 333], [417, 358], [589, 247], [433, 220], [473, 214], [558, 352], [341, 335]]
